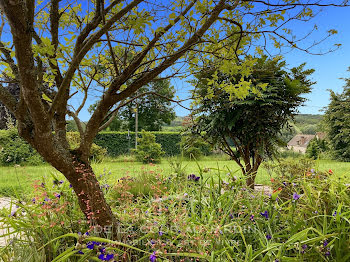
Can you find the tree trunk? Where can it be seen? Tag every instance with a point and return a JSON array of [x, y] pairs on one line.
[[91, 198], [250, 179]]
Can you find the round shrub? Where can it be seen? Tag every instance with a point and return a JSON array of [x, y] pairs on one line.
[[148, 151], [14, 150]]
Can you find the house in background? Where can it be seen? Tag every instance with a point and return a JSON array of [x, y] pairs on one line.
[[299, 143]]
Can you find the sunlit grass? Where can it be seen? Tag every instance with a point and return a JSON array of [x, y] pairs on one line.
[[20, 178]]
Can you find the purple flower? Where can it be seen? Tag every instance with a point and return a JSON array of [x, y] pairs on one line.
[[325, 243], [265, 214], [33, 200], [152, 242], [80, 252], [160, 233], [57, 195], [304, 246], [335, 213], [61, 181], [252, 218], [327, 253], [70, 185], [92, 244], [153, 257], [296, 196], [312, 171], [284, 183], [105, 257], [268, 237], [193, 177]]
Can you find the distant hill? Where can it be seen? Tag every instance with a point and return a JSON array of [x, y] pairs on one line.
[[304, 124], [175, 125]]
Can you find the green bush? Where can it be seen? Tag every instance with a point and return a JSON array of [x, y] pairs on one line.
[[316, 148], [148, 150], [122, 143], [97, 153], [14, 150], [194, 146]]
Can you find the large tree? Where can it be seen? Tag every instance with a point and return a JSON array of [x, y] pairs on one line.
[[153, 105], [337, 123], [248, 129], [112, 49]]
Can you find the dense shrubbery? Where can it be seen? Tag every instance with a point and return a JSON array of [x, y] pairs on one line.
[[194, 146], [148, 151], [97, 153], [184, 216], [121, 143], [14, 150], [316, 148]]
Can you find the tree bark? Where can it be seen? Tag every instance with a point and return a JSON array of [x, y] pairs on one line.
[[91, 198]]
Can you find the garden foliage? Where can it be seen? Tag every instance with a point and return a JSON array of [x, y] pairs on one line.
[[14, 150], [190, 216], [121, 143], [252, 120], [148, 150]]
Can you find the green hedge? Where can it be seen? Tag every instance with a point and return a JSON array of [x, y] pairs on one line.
[[119, 143]]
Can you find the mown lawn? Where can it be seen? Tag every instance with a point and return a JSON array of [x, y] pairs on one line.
[[20, 178]]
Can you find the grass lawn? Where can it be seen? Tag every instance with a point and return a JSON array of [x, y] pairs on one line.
[[21, 178]]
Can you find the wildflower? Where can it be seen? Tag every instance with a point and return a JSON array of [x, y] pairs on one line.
[[296, 196], [152, 242], [153, 257], [47, 199], [193, 177], [252, 218], [42, 184], [304, 247], [70, 186], [312, 171], [33, 200], [327, 254], [272, 180], [284, 183], [185, 195], [160, 233], [92, 244], [265, 214], [325, 243], [335, 213], [268, 237], [330, 171], [13, 214], [105, 257], [57, 195]]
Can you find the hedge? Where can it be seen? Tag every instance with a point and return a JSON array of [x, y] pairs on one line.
[[116, 143], [119, 143]]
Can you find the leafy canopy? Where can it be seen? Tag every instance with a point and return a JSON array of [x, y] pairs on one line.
[[252, 125]]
